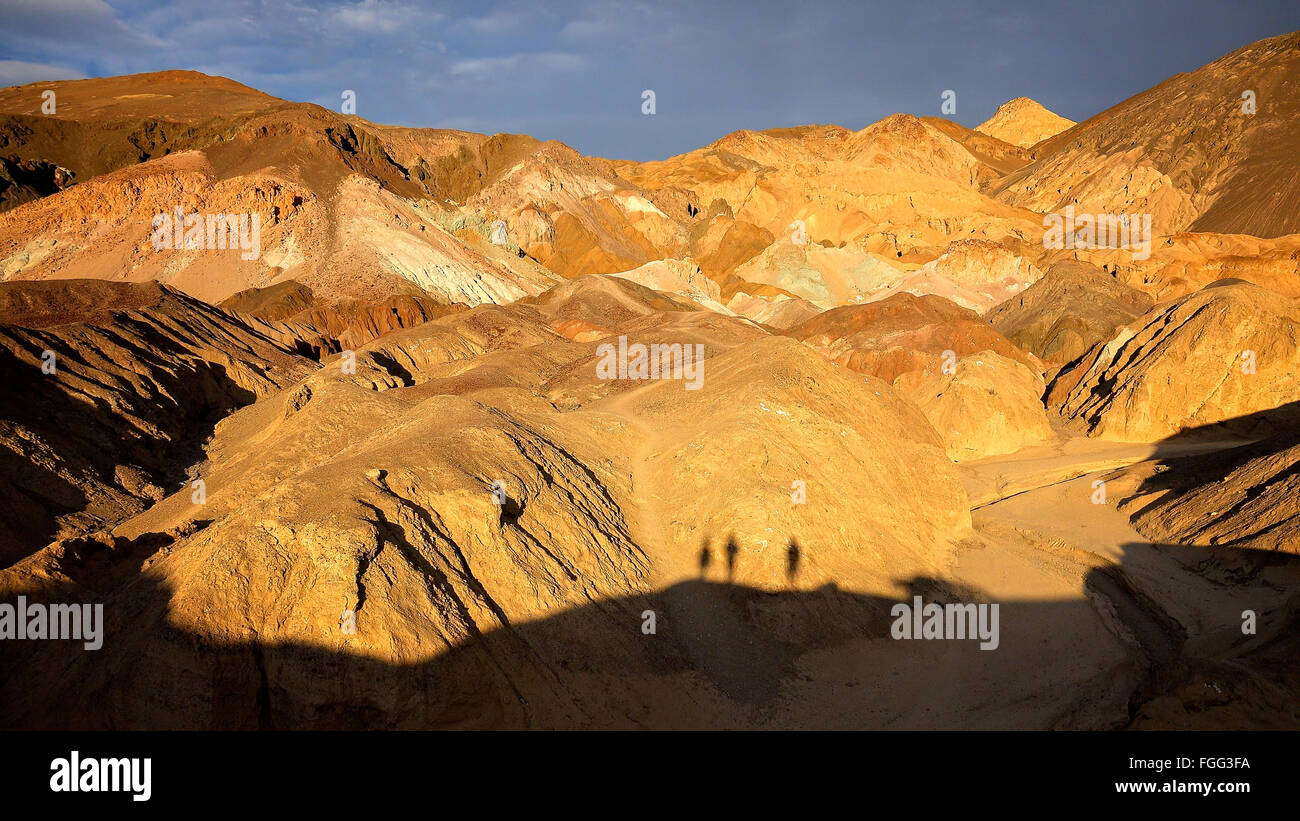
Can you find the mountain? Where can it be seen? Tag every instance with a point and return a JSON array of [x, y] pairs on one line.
[[477, 473], [1023, 123], [1071, 308], [1002, 157], [415, 209], [1227, 352], [114, 387], [1190, 151], [903, 333], [975, 274], [899, 188], [982, 405], [463, 430]]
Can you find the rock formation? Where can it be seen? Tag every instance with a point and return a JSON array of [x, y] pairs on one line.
[[1189, 151], [903, 333], [1226, 352], [1024, 123], [986, 405], [1073, 307], [475, 431], [113, 389]]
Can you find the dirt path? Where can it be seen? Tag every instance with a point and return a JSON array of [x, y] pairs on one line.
[[1001, 477], [703, 613], [1090, 607], [1157, 599]]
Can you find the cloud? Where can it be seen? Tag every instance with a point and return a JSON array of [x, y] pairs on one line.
[[589, 30], [379, 17], [19, 73], [613, 20], [66, 25], [573, 70], [500, 66], [496, 23]]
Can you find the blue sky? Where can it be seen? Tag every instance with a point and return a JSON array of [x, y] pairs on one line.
[[575, 70]]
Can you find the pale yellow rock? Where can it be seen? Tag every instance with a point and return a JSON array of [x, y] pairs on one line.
[[1225, 352], [988, 405], [1023, 122]]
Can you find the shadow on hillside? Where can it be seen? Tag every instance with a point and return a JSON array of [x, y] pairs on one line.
[[1261, 425], [720, 655], [32, 497], [161, 433], [1207, 454]]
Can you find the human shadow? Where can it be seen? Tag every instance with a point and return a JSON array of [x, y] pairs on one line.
[[721, 656], [732, 551], [792, 556]]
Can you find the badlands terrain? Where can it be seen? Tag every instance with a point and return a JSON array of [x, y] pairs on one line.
[[371, 471]]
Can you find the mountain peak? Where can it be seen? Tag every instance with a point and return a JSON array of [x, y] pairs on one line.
[[1023, 122]]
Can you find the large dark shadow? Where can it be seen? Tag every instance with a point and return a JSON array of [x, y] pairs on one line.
[[1199, 459], [1259, 426], [722, 656]]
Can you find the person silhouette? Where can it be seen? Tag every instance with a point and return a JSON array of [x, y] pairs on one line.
[[732, 550], [792, 560], [705, 558]]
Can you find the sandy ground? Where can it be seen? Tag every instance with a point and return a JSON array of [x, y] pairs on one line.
[[1089, 610]]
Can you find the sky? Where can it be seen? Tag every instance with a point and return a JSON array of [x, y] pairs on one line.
[[576, 70]]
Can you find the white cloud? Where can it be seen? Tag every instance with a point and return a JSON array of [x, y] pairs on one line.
[[611, 20], [70, 24], [377, 16], [489, 66], [19, 73], [498, 22]]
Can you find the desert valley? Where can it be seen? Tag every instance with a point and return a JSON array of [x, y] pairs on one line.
[[349, 425]]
